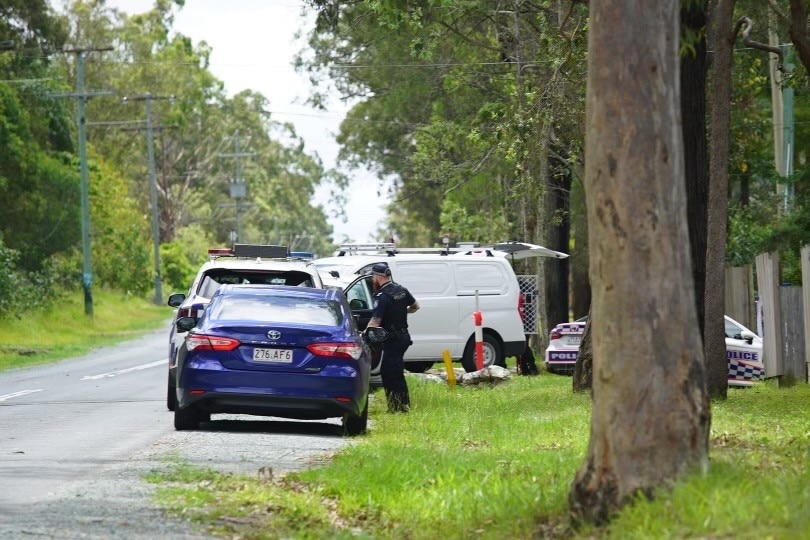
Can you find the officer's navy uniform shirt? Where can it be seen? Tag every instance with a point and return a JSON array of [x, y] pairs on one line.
[[391, 305]]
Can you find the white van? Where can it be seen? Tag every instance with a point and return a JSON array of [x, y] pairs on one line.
[[445, 288]]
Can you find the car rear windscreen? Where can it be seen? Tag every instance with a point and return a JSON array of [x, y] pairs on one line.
[[277, 309], [220, 276]]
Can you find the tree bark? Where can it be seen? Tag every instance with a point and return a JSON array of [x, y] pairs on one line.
[[583, 369], [578, 267], [650, 415], [696, 159], [715, 299], [798, 31], [558, 235]]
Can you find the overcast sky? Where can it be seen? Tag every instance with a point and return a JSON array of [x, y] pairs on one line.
[[253, 43]]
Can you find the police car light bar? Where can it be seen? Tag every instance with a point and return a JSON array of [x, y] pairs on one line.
[[258, 251], [213, 253]]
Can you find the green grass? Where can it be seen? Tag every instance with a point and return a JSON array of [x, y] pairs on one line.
[[499, 462], [47, 335]]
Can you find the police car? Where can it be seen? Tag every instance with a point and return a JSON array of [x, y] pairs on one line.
[[245, 263], [743, 350]]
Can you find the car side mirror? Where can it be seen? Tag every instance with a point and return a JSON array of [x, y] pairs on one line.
[[176, 299], [184, 324], [748, 336]]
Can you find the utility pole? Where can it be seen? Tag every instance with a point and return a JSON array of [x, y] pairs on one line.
[[238, 189], [153, 198], [81, 100], [787, 137]]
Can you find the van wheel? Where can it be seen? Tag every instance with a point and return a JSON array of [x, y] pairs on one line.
[[492, 354], [418, 367]]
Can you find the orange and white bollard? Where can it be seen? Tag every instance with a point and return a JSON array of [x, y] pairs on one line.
[[479, 340]]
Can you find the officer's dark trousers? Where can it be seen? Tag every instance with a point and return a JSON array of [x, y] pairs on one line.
[[392, 372]]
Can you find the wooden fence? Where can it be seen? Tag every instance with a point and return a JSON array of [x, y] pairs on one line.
[[784, 321]]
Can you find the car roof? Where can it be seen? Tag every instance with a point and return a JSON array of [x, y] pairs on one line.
[[266, 265], [258, 264]]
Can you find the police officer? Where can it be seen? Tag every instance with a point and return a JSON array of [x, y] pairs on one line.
[[392, 303]]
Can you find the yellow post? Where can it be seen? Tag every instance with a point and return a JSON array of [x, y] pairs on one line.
[[448, 366]]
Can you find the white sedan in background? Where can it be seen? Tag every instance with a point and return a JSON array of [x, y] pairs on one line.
[[743, 350]]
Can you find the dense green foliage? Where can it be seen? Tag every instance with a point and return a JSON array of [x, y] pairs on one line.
[[461, 104], [195, 125], [467, 110]]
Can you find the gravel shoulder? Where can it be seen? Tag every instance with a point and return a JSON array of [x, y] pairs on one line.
[[115, 501]]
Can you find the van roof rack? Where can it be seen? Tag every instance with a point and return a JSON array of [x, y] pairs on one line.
[[391, 249]]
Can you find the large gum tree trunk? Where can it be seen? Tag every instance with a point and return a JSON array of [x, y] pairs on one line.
[[715, 298], [650, 416]]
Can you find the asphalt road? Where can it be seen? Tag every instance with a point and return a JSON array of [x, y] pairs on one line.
[[78, 436]]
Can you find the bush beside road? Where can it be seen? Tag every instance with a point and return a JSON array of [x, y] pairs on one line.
[[62, 331]]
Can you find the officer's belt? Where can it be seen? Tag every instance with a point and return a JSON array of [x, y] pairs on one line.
[[396, 329]]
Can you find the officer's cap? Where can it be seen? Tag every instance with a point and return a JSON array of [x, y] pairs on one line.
[[381, 269]]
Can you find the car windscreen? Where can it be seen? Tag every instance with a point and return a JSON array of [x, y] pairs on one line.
[[221, 276], [277, 309]]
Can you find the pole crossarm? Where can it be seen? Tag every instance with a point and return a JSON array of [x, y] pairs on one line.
[[85, 95]]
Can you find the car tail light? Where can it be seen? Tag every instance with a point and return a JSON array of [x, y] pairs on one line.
[[521, 307], [201, 342], [340, 350], [555, 334]]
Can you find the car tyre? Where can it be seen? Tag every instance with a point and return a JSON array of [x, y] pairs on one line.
[[418, 367], [354, 425], [171, 394], [186, 419], [491, 346]]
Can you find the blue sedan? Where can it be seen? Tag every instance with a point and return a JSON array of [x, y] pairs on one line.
[[292, 352]]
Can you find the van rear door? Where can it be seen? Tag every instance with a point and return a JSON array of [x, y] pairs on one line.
[[498, 298]]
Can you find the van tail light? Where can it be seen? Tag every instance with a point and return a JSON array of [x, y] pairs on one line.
[[201, 342], [351, 351], [521, 307]]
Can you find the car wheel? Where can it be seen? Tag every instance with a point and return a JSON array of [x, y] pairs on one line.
[[354, 425], [418, 367], [171, 394], [186, 419], [492, 354]]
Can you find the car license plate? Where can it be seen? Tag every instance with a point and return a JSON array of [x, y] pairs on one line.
[[573, 340], [283, 356]]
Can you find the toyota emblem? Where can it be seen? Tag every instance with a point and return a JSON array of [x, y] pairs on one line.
[[274, 334]]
